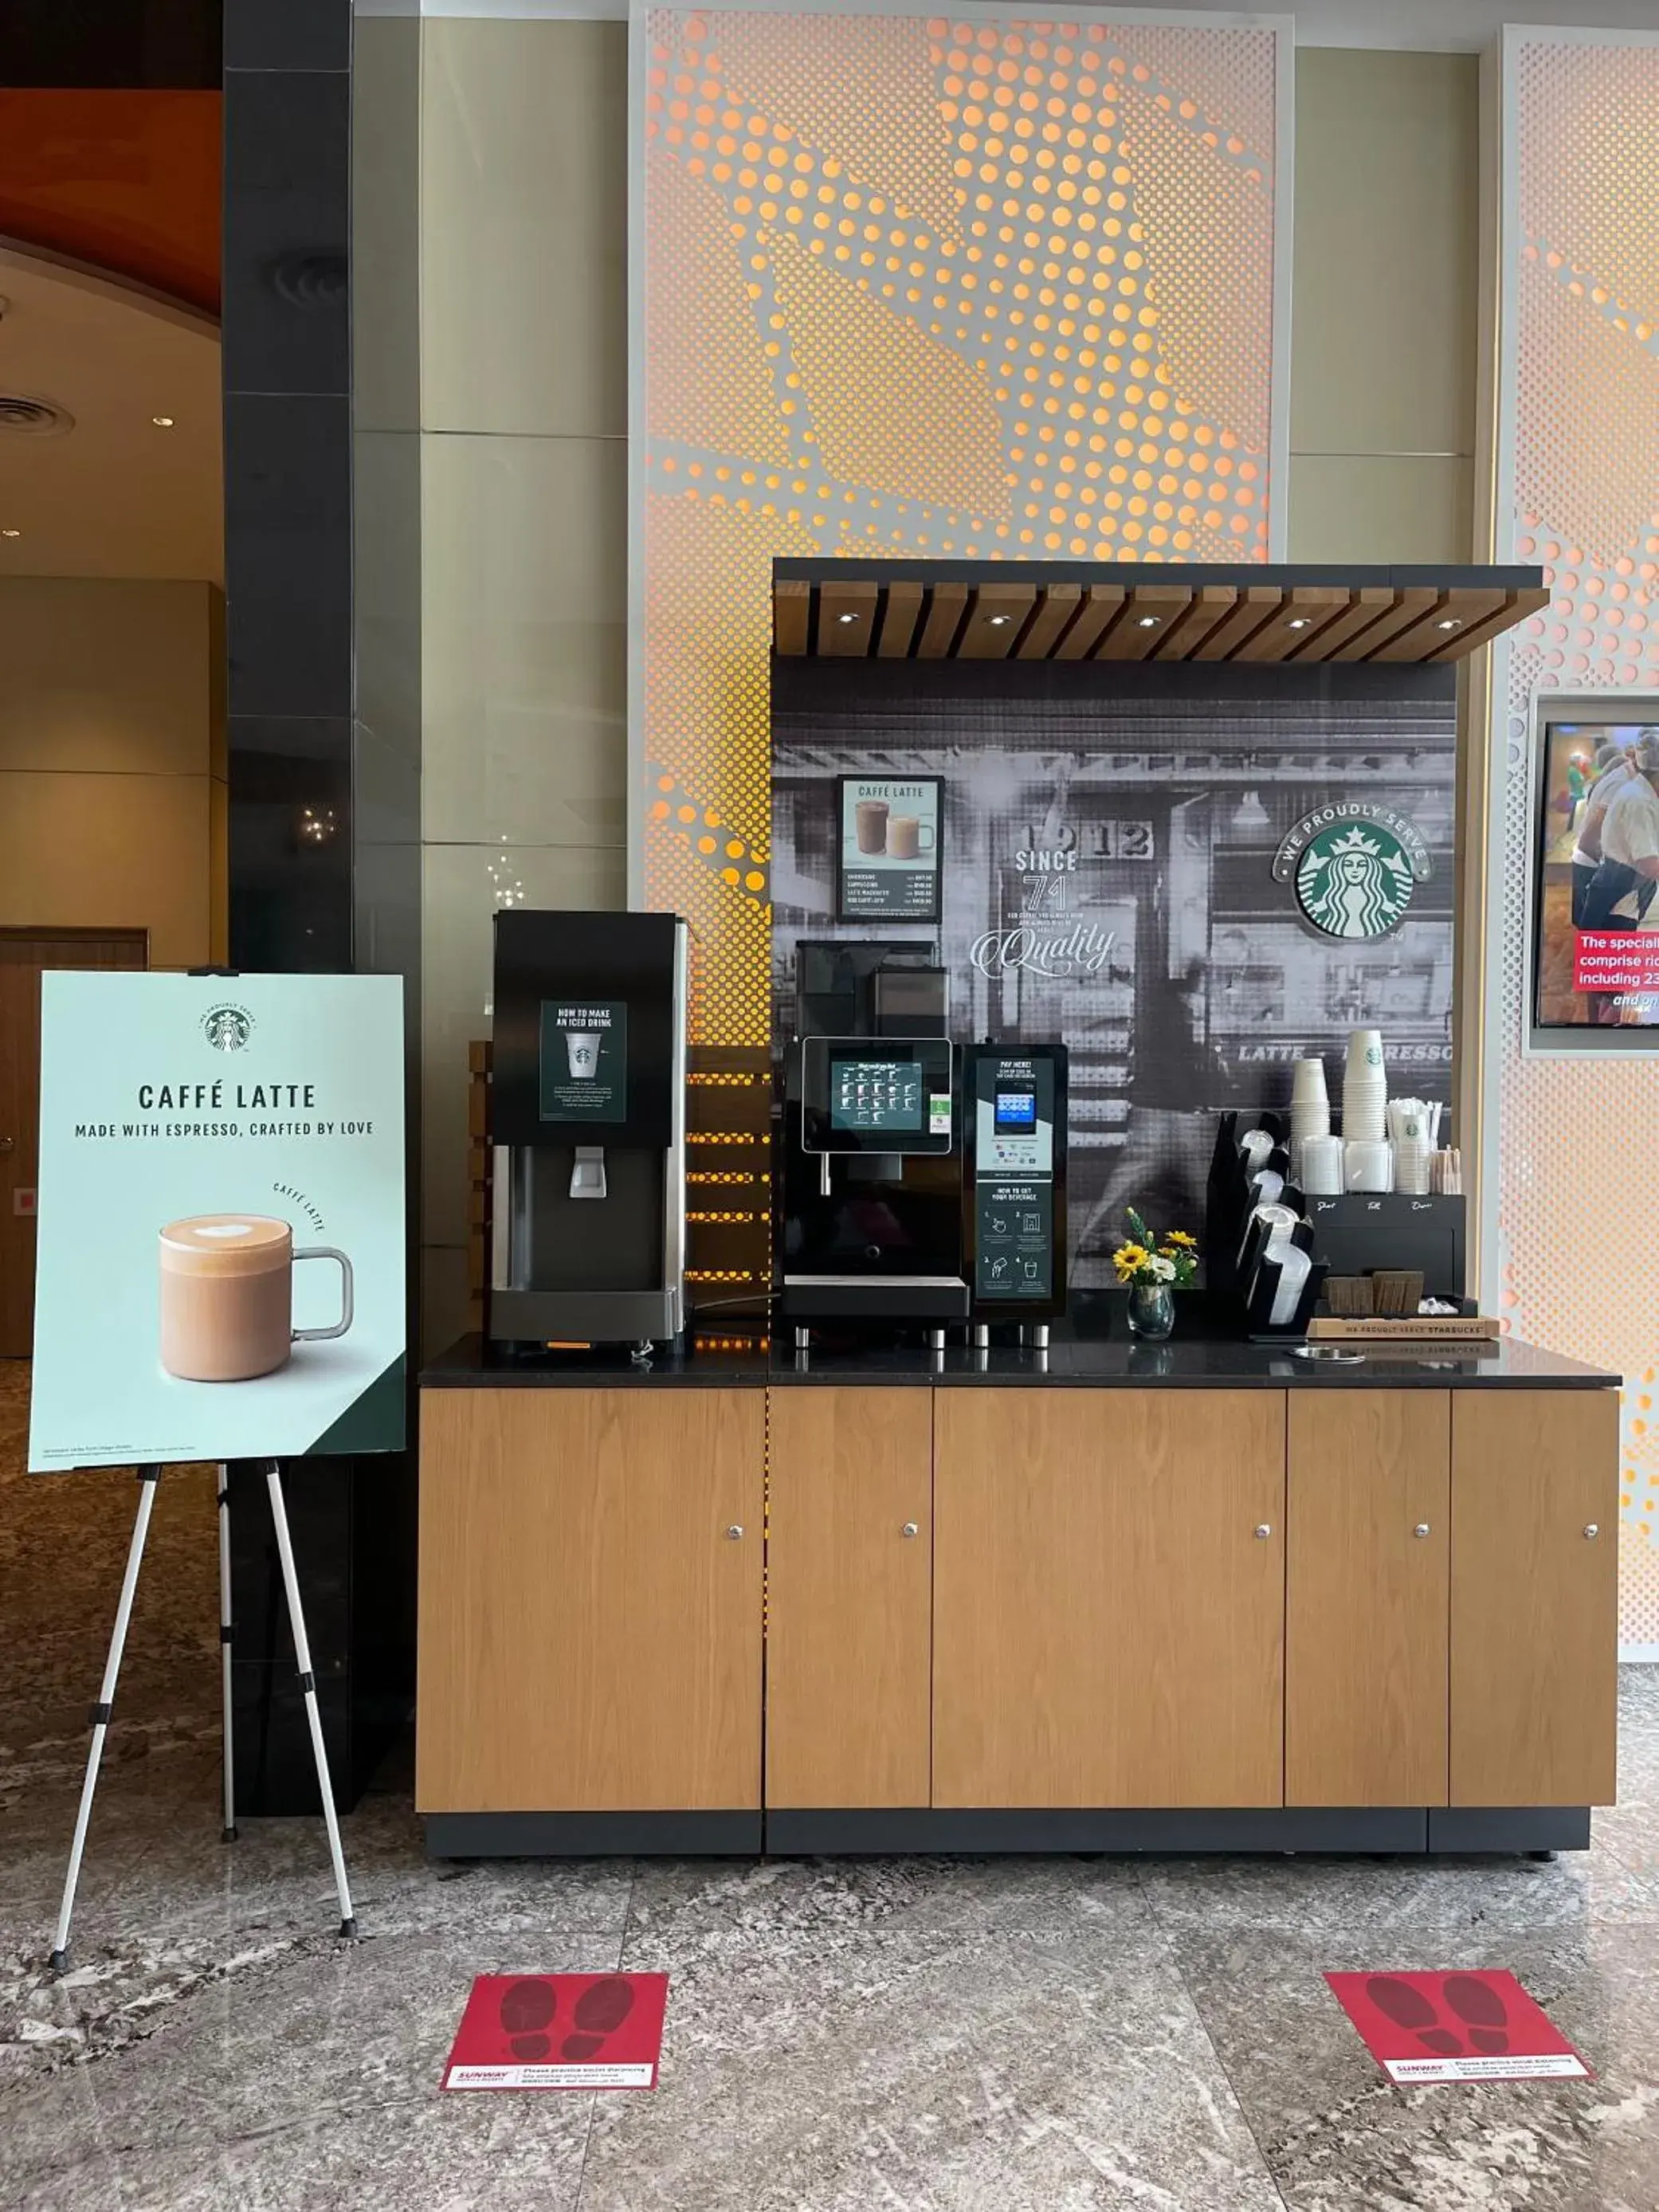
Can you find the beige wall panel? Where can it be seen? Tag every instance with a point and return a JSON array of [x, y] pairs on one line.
[[98, 852], [463, 885], [524, 668], [1387, 253], [1368, 507], [106, 675], [524, 228]]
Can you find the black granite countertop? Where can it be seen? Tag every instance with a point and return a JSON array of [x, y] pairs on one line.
[[1094, 1362]]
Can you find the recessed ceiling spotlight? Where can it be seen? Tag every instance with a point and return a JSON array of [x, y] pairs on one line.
[[996, 620], [1147, 622], [10, 533], [846, 618], [1451, 623], [162, 421], [1298, 622]]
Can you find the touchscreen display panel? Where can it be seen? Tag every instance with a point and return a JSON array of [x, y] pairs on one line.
[[877, 1094], [1016, 1110]]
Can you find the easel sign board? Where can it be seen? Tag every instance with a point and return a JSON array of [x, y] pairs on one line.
[[220, 1269]]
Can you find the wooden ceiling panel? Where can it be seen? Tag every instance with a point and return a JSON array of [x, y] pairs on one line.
[[1206, 607], [901, 611], [1056, 605], [1151, 609], [996, 615], [1257, 604], [1109, 613], [1306, 609], [1102, 604], [847, 620], [945, 612]]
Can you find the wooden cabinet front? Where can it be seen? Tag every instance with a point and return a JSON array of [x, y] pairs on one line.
[[1534, 1597], [1108, 1625], [848, 1597], [590, 1626], [1368, 1517]]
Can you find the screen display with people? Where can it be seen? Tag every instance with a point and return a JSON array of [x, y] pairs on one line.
[[1596, 961]]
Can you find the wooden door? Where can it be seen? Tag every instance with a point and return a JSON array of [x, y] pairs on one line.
[[1108, 1625], [1534, 1597], [23, 954], [848, 1597], [1368, 1517], [590, 1625]]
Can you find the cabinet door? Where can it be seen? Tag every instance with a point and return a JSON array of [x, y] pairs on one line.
[[590, 1632], [1108, 1625], [1535, 1602], [1366, 1614], [849, 1596]]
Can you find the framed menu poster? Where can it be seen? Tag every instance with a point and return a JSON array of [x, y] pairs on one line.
[[889, 853]]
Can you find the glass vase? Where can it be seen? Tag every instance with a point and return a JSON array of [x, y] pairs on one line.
[[1152, 1310]]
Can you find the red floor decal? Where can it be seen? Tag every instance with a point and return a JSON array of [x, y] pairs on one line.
[[1455, 2027], [560, 2032]]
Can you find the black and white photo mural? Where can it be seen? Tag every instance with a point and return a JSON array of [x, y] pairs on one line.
[[1191, 874]]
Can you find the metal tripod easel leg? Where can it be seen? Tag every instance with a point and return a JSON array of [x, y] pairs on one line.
[[308, 1691], [148, 1479], [227, 1637]]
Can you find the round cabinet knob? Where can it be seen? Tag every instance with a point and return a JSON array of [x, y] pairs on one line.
[[1592, 1529], [1421, 1529], [911, 1529], [1264, 1528], [5, 1144], [735, 1531]]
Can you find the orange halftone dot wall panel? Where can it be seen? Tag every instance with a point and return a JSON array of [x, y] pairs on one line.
[[915, 287], [1581, 404]]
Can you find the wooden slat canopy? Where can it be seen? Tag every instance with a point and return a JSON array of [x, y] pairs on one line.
[[1035, 610]]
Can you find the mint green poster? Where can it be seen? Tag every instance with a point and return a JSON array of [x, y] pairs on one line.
[[220, 1268]]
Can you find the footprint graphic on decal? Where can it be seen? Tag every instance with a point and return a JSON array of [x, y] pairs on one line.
[[600, 2011], [1477, 2006], [526, 2012]]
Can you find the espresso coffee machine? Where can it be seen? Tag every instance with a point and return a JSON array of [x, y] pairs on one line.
[[587, 1124], [923, 1180]]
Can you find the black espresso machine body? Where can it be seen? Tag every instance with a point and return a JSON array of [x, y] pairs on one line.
[[871, 1214], [587, 1125]]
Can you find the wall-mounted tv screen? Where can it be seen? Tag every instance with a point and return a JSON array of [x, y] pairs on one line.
[[1596, 935]]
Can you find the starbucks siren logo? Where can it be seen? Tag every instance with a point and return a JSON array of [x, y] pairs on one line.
[[228, 1028], [1354, 866]]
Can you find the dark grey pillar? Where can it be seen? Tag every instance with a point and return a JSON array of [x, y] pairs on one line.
[[314, 809]]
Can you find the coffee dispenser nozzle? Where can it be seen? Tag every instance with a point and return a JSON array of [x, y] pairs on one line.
[[587, 1171]]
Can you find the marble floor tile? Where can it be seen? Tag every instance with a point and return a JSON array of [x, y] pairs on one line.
[[1338, 2136], [1453, 1895], [942, 2037], [299, 2074]]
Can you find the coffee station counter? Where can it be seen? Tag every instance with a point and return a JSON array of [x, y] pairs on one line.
[[1086, 1362], [895, 1601]]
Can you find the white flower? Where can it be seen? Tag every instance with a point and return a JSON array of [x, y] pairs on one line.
[[1160, 1269]]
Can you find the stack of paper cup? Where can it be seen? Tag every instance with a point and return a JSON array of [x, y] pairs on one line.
[[1414, 1128], [1311, 1109], [1364, 1090]]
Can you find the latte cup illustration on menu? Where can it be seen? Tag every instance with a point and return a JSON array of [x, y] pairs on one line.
[[583, 1047], [227, 1287], [909, 838]]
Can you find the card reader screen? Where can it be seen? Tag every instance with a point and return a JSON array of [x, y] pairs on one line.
[[1016, 1110], [877, 1094]]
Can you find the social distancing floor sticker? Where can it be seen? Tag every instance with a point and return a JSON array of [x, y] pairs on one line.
[[1455, 2027], [560, 2032]]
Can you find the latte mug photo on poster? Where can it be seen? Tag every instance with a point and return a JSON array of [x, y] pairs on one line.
[[227, 1296], [888, 859]]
